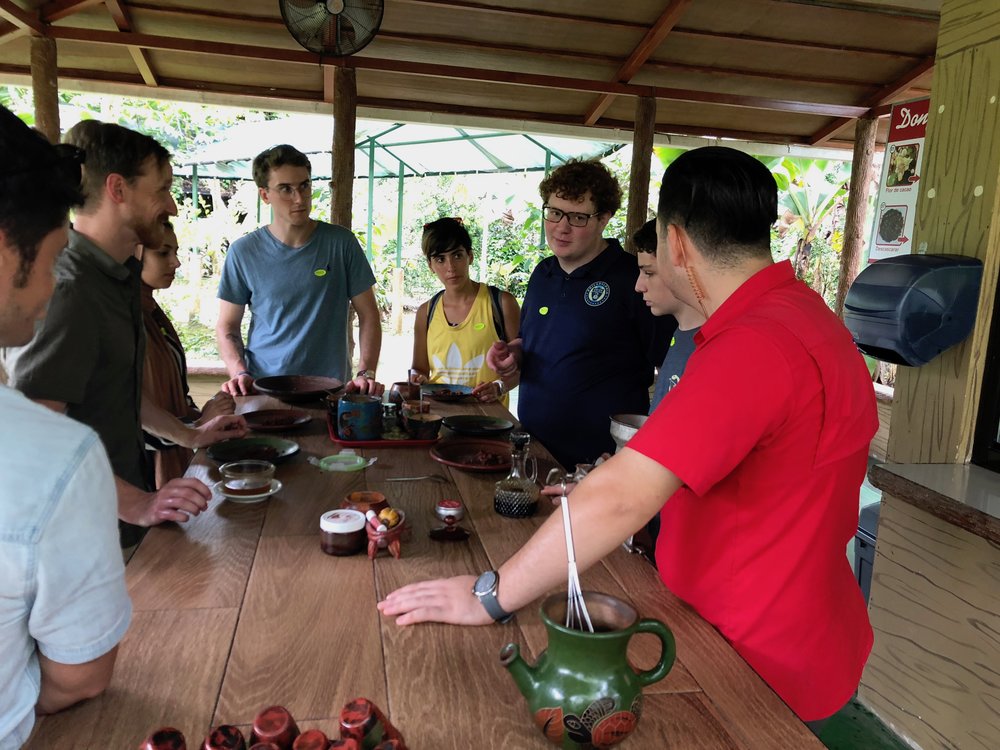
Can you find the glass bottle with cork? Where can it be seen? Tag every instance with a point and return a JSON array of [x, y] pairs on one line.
[[517, 495]]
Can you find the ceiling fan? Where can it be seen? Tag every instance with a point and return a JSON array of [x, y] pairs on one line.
[[332, 27]]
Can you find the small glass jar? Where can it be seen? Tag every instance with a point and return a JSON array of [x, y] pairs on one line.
[[342, 532], [165, 738], [225, 737]]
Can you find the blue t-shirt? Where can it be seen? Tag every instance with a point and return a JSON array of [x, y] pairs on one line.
[[590, 344], [680, 351], [298, 298], [62, 587]]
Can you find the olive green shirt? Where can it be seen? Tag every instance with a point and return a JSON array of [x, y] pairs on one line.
[[88, 352]]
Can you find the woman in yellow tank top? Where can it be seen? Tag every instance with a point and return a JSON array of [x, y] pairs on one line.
[[455, 328]]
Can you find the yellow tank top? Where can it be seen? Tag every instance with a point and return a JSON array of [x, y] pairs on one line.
[[457, 354]]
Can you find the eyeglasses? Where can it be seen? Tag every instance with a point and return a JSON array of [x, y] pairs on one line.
[[575, 218], [287, 191]]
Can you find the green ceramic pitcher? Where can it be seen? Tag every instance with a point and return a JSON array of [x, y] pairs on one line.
[[583, 693]]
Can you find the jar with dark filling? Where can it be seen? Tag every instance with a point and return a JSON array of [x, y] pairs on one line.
[[311, 739], [342, 532]]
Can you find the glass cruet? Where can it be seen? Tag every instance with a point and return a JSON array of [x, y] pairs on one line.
[[516, 496]]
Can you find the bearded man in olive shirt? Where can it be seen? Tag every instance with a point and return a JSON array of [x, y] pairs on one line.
[[86, 357]]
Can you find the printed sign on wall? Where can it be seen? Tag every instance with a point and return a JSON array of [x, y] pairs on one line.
[[896, 207]]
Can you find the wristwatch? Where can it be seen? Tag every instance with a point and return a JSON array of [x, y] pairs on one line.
[[485, 589], [370, 374]]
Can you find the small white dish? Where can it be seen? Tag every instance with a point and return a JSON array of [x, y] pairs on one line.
[[247, 499], [342, 462]]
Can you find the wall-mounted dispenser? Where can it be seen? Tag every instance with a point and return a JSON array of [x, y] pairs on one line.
[[908, 309]]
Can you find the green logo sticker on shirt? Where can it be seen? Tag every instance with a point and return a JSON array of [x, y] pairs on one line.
[[320, 272], [543, 311], [479, 326]]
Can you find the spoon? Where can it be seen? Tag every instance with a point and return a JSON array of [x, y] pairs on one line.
[[434, 477]]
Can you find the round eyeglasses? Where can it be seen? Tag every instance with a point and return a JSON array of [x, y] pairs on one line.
[[575, 218], [287, 191]]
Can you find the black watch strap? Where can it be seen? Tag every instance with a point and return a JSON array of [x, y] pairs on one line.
[[485, 589]]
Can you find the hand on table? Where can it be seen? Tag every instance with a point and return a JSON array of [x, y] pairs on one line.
[[241, 385], [221, 404], [178, 500], [217, 429], [445, 600], [488, 392]]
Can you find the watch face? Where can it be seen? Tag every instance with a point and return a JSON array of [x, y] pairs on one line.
[[485, 583]]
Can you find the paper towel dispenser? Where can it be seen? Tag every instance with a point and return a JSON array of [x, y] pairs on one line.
[[908, 309]]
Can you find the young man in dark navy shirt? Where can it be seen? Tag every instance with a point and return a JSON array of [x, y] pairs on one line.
[[588, 343]]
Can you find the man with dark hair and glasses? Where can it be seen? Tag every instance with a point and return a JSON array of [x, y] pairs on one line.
[[757, 470], [63, 602], [86, 358], [298, 276], [588, 344]]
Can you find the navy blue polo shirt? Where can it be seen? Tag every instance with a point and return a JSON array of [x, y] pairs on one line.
[[590, 346]]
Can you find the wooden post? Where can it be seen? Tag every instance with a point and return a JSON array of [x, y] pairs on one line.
[[345, 114], [642, 153], [857, 205], [935, 406], [45, 86]]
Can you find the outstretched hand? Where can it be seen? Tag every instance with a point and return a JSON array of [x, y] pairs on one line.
[[447, 600]]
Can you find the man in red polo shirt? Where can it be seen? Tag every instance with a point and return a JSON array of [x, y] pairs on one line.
[[756, 457]]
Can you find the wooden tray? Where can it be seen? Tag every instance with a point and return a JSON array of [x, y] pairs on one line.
[[375, 443]]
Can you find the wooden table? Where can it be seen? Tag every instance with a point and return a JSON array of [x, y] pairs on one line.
[[239, 609]]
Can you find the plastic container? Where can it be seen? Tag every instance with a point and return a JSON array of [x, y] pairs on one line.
[[342, 532]]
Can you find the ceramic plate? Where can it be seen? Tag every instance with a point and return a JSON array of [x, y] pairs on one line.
[[270, 449], [477, 424], [296, 387], [473, 455], [276, 420], [220, 487], [446, 391]]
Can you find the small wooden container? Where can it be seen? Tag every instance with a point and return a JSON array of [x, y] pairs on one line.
[[391, 539]]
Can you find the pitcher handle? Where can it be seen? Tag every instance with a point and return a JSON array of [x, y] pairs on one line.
[[533, 471], [667, 656]]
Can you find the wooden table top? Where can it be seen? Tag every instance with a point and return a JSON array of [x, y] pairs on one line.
[[240, 609]]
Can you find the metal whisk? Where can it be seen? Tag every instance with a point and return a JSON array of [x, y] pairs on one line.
[[576, 608]]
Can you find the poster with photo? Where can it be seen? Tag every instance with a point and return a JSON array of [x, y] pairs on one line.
[[896, 207]]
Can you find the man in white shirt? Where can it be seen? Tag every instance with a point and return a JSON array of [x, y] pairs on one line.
[[63, 602]]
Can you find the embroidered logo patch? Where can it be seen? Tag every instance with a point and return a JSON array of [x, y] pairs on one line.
[[479, 326], [319, 272], [597, 293], [543, 311]]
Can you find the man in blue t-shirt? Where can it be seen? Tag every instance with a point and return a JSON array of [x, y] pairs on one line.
[[298, 276], [661, 301], [587, 345]]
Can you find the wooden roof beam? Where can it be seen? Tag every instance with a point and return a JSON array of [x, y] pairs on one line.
[[15, 33], [804, 45], [15, 14], [120, 15], [433, 70], [55, 10], [653, 38], [881, 96]]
